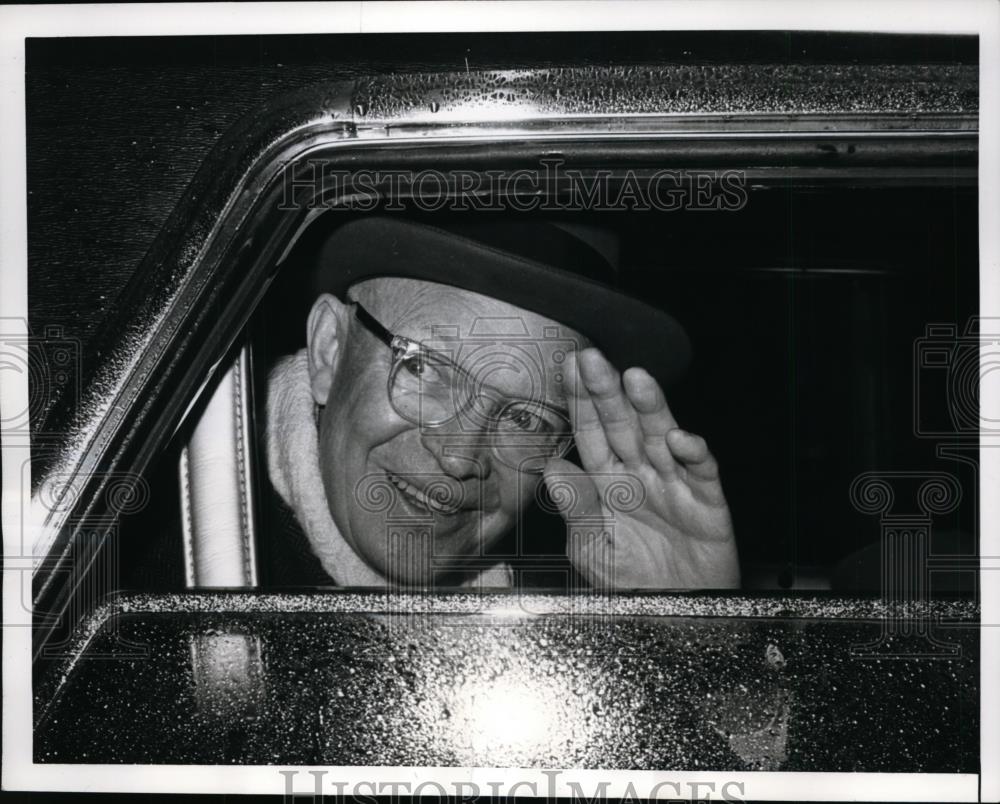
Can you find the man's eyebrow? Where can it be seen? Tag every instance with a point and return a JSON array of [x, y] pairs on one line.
[[561, 404], [558, 404]]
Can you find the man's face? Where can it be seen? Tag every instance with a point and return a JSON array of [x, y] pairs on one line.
[[384, 474]]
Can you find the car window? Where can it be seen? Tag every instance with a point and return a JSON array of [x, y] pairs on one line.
[[768, 318], [285, 458]]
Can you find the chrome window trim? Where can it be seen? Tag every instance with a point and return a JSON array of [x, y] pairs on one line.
[[216, 476]]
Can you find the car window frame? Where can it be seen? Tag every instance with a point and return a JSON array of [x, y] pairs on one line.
[[211, 257]]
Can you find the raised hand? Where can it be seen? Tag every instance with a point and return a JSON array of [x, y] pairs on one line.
[[675, 532]]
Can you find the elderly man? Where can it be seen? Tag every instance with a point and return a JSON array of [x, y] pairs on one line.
[[449, 370]]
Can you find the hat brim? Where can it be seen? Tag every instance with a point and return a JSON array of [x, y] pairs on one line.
[[628, 331]]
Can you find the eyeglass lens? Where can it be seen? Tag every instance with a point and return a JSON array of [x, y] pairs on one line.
[[427, 389]]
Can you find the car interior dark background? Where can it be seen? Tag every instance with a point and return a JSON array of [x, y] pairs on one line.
[[810, 309]]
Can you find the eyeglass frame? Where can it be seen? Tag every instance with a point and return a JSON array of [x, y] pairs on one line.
[[401, 347]]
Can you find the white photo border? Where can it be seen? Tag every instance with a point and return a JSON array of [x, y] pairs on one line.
[[980, 17]]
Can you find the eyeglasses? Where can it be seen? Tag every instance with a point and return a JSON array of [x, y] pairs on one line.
[[427, 388]]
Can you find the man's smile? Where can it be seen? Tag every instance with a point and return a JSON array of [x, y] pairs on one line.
[[421, 499]]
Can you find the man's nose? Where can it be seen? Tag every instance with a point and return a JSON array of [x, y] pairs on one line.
[[461, 449]]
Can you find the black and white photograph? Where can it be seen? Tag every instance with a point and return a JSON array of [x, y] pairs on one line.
[[577, 400]]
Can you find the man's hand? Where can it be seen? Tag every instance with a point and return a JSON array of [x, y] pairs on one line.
[[677, 532]]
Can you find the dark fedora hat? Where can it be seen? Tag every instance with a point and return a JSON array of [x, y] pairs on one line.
[[559, 271]]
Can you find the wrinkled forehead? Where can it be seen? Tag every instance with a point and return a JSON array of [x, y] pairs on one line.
[[429, 311], [515, 347]]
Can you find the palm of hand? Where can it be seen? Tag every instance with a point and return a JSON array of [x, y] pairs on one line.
[[647, 509]]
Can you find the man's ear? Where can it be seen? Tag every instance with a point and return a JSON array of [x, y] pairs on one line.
[[325, 333]]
